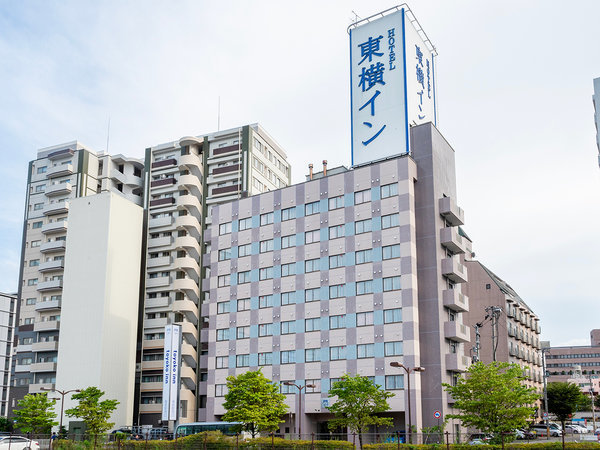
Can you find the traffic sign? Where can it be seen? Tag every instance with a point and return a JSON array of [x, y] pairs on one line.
[[437, 414], [545, 415]]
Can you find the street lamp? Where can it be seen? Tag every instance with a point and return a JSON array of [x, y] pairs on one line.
[[62, 403], [289, 383], [408, 371]]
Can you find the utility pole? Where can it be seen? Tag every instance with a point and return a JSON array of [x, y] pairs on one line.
[[475, 358], [494, 314]]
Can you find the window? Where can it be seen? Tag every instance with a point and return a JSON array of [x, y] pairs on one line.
[[35, 225], [312, 324], [224, 228], [287, 327], [223, 334], [223, 280], [35, 244], [392, 315], [392, 220], [224, 254], [32, 282], [288, 214], [336, 322], [220, 390], [364, 318], [315, 383], [311, 208], [311, 265], [336, 261], [365, 350], [364, 287], [30, 301], [336, 353], [336, 231], [243, 332], [389, 190], [266, 218], [38, 206], [42, 169], [244, 277], [311, 236], [243, 304], [265, 301], [362, 226], [265, 359], [288, 356], [222, 307], [265, 329], [288, 241], [336, 202], [312, 354], [40, 188], [244, 250], [393, 348], [391, 251], [266, 273], [34, 262], [30, 320], [222, 362], [394, 382], [362, 196], [336, 291], [312, 295], [245, 224], [288, 269], [364, 256], [391, 284], [287, 298], [266, 246], [286, 388]]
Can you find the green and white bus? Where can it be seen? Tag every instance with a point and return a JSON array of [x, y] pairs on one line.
[[227, 428]]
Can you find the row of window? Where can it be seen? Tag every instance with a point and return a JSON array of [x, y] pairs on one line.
[[574, 355], [313, 324]]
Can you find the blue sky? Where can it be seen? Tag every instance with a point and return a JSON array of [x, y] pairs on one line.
[[514, 91]]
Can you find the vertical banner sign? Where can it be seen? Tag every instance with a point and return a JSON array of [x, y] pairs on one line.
[[172, 361], [391, 85]]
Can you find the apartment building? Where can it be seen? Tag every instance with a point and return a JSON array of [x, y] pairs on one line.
[[344, 273], [517, 334], [8, 307], [564, 362], [59, 174], [186, 178]]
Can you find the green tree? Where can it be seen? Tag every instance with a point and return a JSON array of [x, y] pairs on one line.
[[94, 413], [253, 400], [564, 399], [35, 414], [6, 425], [493, 398], [359, 401]]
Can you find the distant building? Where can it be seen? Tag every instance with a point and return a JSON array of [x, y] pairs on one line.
[[8, 308], [562, 363]]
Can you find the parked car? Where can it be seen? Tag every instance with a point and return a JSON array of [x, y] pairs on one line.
[[540, 429], [18, 443], [477, 442], [524, 433], [574, 428]]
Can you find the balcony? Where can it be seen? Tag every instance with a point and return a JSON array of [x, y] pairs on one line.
[[53, 246], [231, 189], [189, 244], [454, 270], [50, 285], [230, 148], [160, 222], [164, 163], [154, 343], [43, 367], [163, 241], [151, 386], [187, 307], [48, 346], [58, 189], [22, 367], [188, 222], [24, 348], [67, 152], [456, 331], [190, 203], [159, 262], [189, 332], [452, 240], [49, 266], [188, 377], [455, 300], [37, 387], [451, 213], [60, 170], [152, 365], [192, 162], [226, 169], [165, 201], [55, 227], [48, 325], [189, 353], [56, 208], [159, 302], [48, 305], [188, 286], [457, 363], [150, 408], [158, 282], [189, 265], [165, 182]]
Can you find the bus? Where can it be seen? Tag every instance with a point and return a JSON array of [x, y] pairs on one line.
[[227, 428]]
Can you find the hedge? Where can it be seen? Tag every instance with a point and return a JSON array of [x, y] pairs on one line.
[[510, 446]]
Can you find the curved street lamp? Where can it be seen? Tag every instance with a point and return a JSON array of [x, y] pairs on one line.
[[62, 402], [299, 416], [408, 371]]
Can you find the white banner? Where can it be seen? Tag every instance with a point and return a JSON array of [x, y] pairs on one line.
[[172, 357]]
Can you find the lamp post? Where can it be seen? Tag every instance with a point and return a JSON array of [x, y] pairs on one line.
[[62, 403], [289, 383], [408, 371]]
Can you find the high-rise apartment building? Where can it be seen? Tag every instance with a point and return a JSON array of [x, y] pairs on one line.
[[345, 273], [8, 307], [185, 179], [59, 174]]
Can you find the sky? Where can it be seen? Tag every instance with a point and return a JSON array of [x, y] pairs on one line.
[[514, 90]]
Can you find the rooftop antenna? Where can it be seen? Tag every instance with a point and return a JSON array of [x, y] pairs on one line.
[[108, 134], [219, 115], [356, 17]]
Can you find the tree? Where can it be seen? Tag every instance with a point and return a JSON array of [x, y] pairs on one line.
[[253, 400], [359, 400], [94, 413], [35, 414], [493, 398], [564, 399]]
